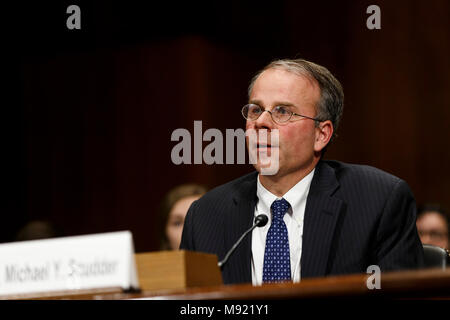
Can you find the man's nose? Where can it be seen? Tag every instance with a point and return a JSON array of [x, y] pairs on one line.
[[264, 121]]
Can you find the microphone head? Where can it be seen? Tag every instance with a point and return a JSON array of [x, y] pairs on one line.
[[261, 220]]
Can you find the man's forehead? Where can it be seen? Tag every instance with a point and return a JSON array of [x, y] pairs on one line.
[[279, 73], [277, 81]]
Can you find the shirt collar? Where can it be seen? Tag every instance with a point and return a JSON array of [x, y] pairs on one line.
[[295, 196]]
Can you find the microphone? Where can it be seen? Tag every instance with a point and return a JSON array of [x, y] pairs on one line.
[[260, 221]]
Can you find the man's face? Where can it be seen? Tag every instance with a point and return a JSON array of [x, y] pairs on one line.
[[432, 229], [298, 147]]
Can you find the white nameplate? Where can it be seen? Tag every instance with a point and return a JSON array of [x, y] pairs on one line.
[[71, 263]]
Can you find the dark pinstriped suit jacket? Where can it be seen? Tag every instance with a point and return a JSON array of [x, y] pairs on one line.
[[355, 216]]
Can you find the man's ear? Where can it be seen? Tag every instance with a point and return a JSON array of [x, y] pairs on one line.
[[324, 132]]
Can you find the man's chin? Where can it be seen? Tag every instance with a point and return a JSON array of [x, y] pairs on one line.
[[270, 169]]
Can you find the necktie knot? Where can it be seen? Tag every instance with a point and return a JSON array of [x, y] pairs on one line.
[[279, 209]]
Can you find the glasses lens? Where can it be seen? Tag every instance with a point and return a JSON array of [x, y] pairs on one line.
[[281, 114], [251, 111], [433, 235]]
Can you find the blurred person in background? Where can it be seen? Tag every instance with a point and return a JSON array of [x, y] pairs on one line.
[[433, 224], [173, 211], [37, 229]]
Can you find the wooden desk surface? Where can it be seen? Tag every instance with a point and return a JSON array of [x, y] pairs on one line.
[[431, 283], [422, 284]]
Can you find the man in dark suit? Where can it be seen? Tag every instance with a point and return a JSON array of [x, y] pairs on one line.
[[325, 217]]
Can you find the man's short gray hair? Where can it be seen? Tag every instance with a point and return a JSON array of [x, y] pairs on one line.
[[331, 102]]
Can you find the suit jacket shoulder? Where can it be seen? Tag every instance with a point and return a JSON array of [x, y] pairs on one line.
[[235, 189], [367, 187], [217, 220], [364, 216], [365, 173]]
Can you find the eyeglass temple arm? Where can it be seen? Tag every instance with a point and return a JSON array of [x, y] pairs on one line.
[[300, 115]]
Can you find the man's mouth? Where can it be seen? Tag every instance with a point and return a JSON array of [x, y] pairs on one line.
[[265, 146]]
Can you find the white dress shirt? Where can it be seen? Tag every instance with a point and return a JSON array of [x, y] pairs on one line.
[[293, 219]]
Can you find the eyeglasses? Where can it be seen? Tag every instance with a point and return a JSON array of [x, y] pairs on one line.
[[433, 234], [279, 114]]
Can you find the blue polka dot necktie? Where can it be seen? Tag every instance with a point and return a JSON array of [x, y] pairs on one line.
[[277, 262]]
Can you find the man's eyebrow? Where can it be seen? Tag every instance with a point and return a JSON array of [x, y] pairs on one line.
[[277, 103], [284, 104], [258, 102]]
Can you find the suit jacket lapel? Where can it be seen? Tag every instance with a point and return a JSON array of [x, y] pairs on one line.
[[321, 215], [240, 220]]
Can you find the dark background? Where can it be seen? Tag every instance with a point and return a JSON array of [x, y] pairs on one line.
[[87, 115]]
